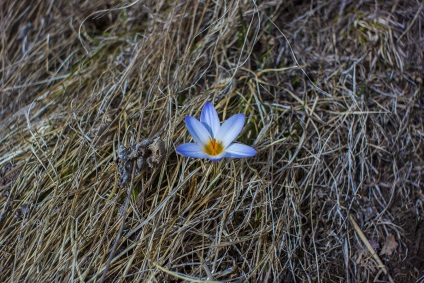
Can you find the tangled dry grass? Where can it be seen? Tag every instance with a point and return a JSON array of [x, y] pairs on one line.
[[333, 98]]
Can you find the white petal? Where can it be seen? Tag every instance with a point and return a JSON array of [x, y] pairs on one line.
[[197, 130], [239, 150], [210, 118], [216, 157], [230, 129], [191, 150]]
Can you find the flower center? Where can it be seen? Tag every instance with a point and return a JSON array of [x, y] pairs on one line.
[[213, 147]]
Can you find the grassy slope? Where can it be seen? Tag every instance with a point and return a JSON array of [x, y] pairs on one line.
[[338, 146]]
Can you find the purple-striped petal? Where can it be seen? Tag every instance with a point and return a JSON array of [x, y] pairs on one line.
[[230, 129], [239, 150], [210, 118], [197, 130], [191, 150]]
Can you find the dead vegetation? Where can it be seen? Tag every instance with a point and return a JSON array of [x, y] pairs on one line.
[[333, 195]]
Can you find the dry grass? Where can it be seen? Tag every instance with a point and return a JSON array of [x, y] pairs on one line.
[[338, 146]]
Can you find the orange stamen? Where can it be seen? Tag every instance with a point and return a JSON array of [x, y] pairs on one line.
[[214, 147]]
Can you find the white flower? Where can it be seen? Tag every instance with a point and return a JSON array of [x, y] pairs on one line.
[[214, 141]]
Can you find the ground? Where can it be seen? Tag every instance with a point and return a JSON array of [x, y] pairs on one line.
[[93, 99]]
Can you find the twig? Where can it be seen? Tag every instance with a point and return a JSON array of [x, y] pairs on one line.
[[370, 248], [121, 229]]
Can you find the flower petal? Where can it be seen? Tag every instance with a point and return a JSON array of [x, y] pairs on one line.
[[210, 118], [191, 150], [215, 159], [197, 130], [230, 129], [239, 150]]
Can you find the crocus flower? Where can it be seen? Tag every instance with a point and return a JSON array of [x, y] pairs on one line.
[[212, 140]]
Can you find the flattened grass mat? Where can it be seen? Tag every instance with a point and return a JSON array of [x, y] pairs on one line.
[[333, 98]]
